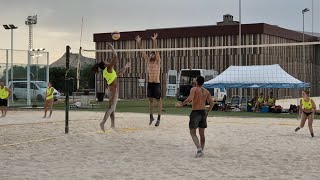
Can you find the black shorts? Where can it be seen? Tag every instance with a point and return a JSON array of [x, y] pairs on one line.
[[198, 119], [154, 90], [307, 114], [3, 102]]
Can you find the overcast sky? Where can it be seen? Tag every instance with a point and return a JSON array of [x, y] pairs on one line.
[[59, 21]]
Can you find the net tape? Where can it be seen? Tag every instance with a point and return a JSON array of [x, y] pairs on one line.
[[210, 48]]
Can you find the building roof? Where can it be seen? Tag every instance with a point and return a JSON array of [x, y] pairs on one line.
[[73, 61], [210, 30]]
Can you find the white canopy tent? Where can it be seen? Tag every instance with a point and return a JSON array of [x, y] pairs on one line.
[[262, 76]]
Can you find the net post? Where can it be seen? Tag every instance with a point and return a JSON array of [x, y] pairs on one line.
[[67, 91]]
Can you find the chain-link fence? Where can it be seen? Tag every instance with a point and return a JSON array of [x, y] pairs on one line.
[[14, 72]]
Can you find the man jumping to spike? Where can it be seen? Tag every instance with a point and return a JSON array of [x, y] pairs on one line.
[[154, 87]]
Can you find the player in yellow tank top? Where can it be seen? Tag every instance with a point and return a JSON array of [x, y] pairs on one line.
[[4, 95], [110, 76], [306, 111], [259, 102], [271, 101], [48, 100]]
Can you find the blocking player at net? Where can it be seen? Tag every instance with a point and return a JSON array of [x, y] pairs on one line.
[[154, 85]]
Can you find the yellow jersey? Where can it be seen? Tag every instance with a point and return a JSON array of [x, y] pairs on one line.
[[271, 100], [4, 93], [260, 100], [306, 105], [110, 77], [50, 91]]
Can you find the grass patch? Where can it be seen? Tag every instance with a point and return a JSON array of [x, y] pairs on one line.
[[142, 106]]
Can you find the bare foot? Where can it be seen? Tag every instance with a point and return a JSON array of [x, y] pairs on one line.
[[102, 127], [113, 126]]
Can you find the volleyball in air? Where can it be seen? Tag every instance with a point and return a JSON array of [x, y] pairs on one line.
[[115, 35]]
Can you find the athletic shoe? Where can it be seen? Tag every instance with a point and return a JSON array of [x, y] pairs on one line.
[[312, 135], [151, 120], [157, 123], [199, 154], [297, 129]]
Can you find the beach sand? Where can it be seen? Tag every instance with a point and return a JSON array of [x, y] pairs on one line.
[[236, 148]]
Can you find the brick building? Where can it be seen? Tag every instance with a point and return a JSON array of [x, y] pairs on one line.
[[226, 33]]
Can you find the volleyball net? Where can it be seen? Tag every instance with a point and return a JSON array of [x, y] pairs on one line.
[[300, 60]]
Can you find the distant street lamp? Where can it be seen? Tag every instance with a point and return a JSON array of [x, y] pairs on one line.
[[303, 48], [11, 27], [37, 55]]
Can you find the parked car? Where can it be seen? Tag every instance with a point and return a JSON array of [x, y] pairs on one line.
[[179, 84], [37, 90]]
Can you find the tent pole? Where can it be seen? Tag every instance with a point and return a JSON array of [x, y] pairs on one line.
[[298, 104]]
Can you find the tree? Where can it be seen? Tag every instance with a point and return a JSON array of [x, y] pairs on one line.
[[57, 78], [87, 78]]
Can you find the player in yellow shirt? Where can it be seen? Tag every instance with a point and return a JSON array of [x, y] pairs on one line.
[[306, 111], [271, 100], [110, 76], [259, 102], [48, 100], [4, 95]]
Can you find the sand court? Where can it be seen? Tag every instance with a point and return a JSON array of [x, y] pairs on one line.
[[236, 148]]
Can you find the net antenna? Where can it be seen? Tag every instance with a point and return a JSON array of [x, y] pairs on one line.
[[79, 57]]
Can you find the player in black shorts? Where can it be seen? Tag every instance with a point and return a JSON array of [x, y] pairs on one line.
[[4, 95], [198, 117], [154, 89]]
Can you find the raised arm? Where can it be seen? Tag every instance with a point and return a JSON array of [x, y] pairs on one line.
[[139, 43], [123, 69], [155, 45], [114, 58]]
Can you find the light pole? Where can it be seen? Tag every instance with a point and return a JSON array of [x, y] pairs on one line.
[[36, 55], [303, 48], [31, 22], [11, 27]]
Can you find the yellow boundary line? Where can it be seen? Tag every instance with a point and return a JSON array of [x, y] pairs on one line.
[[121, 130], [124, 130], [47, 122]]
